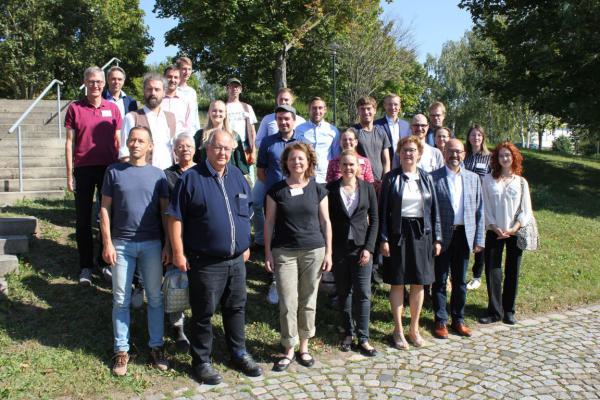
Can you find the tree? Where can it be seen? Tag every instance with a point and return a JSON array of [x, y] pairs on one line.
[[363, 70], [546, 52], [45, 39], [251, 39]]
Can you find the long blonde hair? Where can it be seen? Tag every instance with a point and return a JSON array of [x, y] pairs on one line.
[[209, 125]]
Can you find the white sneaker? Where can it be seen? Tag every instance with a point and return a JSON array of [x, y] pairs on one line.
[[272, 296], [474, 284], [85, 277], [137, 297]]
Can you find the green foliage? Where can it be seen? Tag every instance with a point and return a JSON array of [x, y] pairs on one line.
[[562, 144], [45, 39], [545, 52]]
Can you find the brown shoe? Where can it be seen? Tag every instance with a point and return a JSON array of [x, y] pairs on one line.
[[120, 366], [461, 329], [158, 359], [440, 331]]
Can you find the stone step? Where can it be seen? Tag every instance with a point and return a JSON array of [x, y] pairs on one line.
[[31, 162], [10, 198], [12, 185], [33, 151], [25, 226], [14, 244], [8, 263], [33, 172], [49, 142]]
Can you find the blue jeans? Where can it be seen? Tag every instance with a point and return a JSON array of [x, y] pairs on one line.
[[455, 259], [258, 200], [146, 256]]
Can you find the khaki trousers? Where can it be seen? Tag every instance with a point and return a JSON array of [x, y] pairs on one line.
[[297, 273]]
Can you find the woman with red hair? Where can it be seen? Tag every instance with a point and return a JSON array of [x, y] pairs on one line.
[[507, 208]]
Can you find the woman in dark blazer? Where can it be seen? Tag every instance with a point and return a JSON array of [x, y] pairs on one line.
[[410, 236], [353, 214]]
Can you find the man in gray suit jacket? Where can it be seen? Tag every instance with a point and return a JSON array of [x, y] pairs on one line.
[[460, 203]]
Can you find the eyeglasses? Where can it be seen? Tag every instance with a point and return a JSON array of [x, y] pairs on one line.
[[95, 83], [408, 151], [219, 149], [452, 152], [420, 125], [184, 147]]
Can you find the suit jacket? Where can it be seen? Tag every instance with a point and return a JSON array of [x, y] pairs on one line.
[[472, 205], [363, 222], [383, 122], [129, 102], [390, 211]]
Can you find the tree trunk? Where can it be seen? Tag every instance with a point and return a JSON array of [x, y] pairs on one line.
[[281, 69]]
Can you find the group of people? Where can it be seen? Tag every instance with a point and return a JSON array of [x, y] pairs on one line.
[[407, 199]]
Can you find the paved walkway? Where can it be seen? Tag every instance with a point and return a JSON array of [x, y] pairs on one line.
[[555, 356]]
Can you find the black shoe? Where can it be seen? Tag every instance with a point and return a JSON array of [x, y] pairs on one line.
[[280, 366], [488, 320], [367, 352], [182, 346], [205, 373], [346, 346], [509, 319], [305, 362], [247, 365]]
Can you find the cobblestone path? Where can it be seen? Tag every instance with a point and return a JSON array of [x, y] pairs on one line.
[[554, 356]]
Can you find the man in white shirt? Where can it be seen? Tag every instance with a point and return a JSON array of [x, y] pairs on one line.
[[432, 158], [460, 202], [115, 94], [268, 125], [395, 127], [161, 124], [240, 115], [189, 93], [321, 135], [177, 104]]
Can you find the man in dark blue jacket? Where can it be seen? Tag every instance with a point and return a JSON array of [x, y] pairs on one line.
[[113, 93]]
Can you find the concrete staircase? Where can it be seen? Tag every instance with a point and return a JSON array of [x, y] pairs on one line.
[[43, 151], [14, 239]]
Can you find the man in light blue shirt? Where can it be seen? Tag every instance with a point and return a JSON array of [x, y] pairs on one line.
[[321, 135], [268, 125]]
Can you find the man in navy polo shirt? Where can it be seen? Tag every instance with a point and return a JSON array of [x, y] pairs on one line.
[[268, 166], [209, 227]]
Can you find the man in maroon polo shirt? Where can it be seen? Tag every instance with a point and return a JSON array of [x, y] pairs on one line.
[[94, 124]]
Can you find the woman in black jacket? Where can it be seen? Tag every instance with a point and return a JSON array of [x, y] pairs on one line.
[[410, 236], [353, 215]]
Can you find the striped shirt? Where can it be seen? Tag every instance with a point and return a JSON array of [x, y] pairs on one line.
[[478, 163]]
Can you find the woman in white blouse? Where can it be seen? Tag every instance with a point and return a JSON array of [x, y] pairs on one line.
[[507, 208], [410, 236]]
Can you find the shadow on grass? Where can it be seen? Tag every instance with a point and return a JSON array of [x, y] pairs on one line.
[[561, 185], [58, 212]]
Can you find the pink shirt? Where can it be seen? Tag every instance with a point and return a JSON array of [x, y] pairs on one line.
[[95, 140], [334, 173]]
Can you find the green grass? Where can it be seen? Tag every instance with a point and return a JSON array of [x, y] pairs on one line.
[[56, 338]]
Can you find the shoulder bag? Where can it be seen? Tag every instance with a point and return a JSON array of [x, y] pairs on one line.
[[527, 236]]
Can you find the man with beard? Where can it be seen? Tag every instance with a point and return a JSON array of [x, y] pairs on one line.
[[162, 124]]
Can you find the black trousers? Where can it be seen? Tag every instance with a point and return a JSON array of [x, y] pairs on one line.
[[87, 180], [213, 282], [478, 264], [501, 298], [353, 285]]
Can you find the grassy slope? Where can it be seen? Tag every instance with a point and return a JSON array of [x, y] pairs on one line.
[[56, 338]]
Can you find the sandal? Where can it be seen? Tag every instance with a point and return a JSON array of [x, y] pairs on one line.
[[303, 361], [399, 341], [416, 340], [367, 352], [279, 366]]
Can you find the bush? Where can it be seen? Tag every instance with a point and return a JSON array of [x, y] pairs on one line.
[[563, 144]]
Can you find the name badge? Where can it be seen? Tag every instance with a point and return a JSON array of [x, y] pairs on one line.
[[480, 165], [106, 113], [296, 191], [361, 161], [243, 196]]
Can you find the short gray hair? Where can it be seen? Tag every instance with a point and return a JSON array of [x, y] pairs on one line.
[[211, 133], [142, 128], [184, 136], [154, 76], [118, 69], [93, 70]]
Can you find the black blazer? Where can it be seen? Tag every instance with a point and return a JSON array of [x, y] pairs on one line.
[[391, 205], [363, 221]]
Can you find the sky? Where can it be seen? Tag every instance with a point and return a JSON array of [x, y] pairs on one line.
[[433, 22]]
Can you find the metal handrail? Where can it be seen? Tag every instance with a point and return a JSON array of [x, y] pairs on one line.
[[17, 124], [104, 67]]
